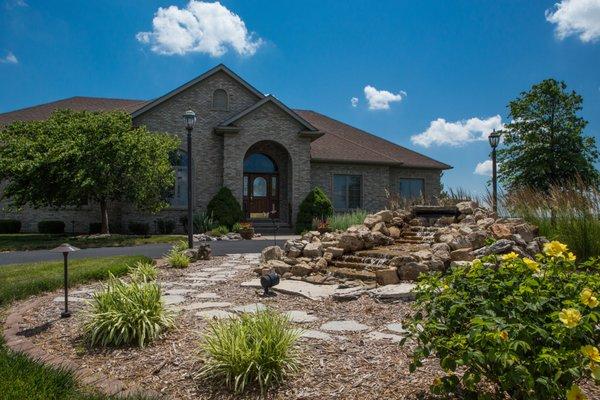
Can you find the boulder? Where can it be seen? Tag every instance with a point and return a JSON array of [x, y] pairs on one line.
[[380, 227], [401, 260], [380, 239], [394, 232], [387, 276], [477, 239], [192, 254], [313, 250], [462, 255], [294, 252], [527, 231], [439, 247], [204, 252], [278, 266], [321, 263], [436, 264], [336, 252], [385, 215], [301, 269], [420, 221], [445, 221], [459, 242], [501, 231], [271, 253], [499, 247], [371, 220], [485, 222], [410, 271], [466, 207], [350, 242]]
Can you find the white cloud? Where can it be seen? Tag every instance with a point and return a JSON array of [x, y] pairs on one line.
[[484, 168], [576, 17], [202, 28], [10, 58], [459, 133], [10, 4], [381, 99], [354, 101]]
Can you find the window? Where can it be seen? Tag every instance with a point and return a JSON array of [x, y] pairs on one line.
[[220, 100], [259, 162], [347, 192], [411, 188], [259, 187], [179, 198]]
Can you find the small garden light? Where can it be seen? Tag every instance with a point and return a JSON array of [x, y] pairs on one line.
[[267, 282], [189, 118], [66, 248]]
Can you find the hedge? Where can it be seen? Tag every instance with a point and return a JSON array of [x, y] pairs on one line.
[[10, 226], [139, 228], [53, 227]]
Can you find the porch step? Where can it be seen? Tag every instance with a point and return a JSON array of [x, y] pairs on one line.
[[267, 228]]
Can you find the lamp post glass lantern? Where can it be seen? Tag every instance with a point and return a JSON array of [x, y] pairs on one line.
[[494, 139], [66, 248], [189, 118]]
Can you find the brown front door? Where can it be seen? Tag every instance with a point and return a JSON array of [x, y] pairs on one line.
[[260, 195]]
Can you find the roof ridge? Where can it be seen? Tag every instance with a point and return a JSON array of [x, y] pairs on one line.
[[69, 98], [377, 137]]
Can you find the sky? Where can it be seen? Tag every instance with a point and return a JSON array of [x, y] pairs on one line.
[[433, 76]]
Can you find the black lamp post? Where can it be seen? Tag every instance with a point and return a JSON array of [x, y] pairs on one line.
[[66, 248], [190, 119], [494, 139]]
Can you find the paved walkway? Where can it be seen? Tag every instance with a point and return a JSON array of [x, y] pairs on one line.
[[219, 248]]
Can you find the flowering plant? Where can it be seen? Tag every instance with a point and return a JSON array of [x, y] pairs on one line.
[[529, 326]]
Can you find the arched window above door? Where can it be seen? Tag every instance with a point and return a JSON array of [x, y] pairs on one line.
[[259, 162]]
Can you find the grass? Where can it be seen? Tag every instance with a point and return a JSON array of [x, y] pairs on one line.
[[256, 349], [18, 281], [343, 221], [22, 378], [37, 241]]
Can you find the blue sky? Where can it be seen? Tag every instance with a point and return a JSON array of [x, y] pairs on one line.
[[449, 68]]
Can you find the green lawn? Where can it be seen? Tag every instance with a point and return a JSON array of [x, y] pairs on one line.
[[36, 241], [24, 379], [18, 281]]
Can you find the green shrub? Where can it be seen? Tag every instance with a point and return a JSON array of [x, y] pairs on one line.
[[315, 205], [127, 314], [95, 227], [10, 226], [203, 222], [52, 227], [143, 271], [139, 228], [527, 326], [343, 221], [180, 246], [237, 227], [224, 208], [165, 226], [178, 259], [219, 231], [255, 349]]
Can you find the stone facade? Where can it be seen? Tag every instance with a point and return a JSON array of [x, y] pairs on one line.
[[259, 125]]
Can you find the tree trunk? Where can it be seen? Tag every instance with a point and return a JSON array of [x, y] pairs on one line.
[[104, 216]]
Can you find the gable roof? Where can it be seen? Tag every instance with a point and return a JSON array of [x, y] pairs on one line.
[[78, 103], [212, 71], [345, 143], [274, 100]]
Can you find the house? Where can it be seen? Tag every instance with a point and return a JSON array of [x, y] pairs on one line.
[[269, 155]]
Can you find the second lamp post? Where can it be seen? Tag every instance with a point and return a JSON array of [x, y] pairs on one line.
[[494, 139], [190, 119]]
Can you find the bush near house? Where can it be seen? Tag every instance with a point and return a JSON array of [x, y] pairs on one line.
[[10, 226], [527, 326], [315, 205], [219, 231], [95, 228], [224, 208], [139, 228], [51, 227], [256, 349]]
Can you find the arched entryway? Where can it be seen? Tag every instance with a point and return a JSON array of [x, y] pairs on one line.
[[265, 190]]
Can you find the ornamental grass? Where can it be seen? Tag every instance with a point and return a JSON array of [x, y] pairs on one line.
[[254, 350], [127, 314], [528, 326]]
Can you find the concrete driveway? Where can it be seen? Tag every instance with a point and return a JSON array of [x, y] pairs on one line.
[[219, 248]]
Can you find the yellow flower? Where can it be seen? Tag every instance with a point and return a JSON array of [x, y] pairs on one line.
[[510, 256], [555, 248], [533, 265], [571, 257], [587, 297], [575, 393], [503, 335], [477, 263], [570, 317], [595, 371], [591, 352]]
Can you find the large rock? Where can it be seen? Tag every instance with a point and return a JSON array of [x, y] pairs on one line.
[[501, 231], [459, 242], [313, 250], [279, 266], [371, 220], [336, 252], [350, 242], [485, 222], [379, 239], [400, 291], [498, 247], [380, 227], [387, 276], [462, 255], [527, 231], [466, 207], [394, 232], [385, 215], [301, 269], [410, 271], [271, 253], [477, 239]]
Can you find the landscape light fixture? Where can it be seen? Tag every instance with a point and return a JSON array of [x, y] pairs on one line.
[[66, 248], [494, 139], [189, 118], [267, 281]]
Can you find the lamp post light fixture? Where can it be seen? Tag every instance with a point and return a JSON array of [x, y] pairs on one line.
[[190, 120], [494, 139], [66, 248]]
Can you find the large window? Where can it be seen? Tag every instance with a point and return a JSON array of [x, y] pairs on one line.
[[411, 188], [179, 198], [347, 192], [258, 162]]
